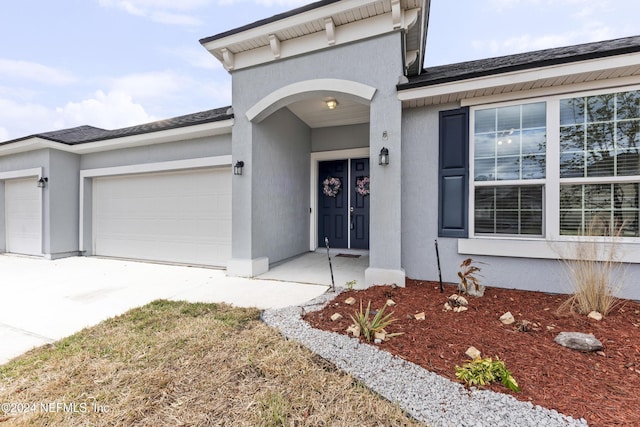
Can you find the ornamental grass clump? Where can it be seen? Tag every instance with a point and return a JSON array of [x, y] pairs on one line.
[[369, 327], [485, 371], [594, 270]]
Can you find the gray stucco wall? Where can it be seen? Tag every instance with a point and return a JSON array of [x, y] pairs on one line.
[[63, 187], [375, 62], [340, 137], [190, 149], [281, 213], [420, 223]]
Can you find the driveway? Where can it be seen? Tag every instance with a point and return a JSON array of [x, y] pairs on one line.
[[44, 300]]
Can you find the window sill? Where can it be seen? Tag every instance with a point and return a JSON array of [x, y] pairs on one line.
[[542, 248]]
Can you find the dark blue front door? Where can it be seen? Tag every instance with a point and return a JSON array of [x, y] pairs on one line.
[[359, 209], [343, 203]]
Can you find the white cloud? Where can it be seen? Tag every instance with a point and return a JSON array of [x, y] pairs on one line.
[[160, 10], [195, 56], [35, 72], [145, 87], [266, 3], [110, 110], [175, 19], [105, 110]]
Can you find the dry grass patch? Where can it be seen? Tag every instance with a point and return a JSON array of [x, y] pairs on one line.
[[175, 363]]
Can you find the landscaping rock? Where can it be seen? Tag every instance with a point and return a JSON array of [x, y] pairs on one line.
[[350, 301], [354, 330], [595, 315], [507, 318], [336, 316], [578, 341], [447, 307], [382, 335], [472, 291], [460, 309], [391, 302], [473, 353], [456, 300], [420, 316]]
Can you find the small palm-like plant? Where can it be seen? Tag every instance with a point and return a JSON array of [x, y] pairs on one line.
[[485, 371], [369, 327], [469, 276]]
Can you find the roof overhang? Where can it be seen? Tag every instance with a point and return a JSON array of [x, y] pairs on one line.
[[221, 127], [617, 70], [322, 25]]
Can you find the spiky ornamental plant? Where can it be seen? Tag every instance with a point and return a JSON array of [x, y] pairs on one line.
[[369, 327]]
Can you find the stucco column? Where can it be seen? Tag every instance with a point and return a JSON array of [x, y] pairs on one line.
[[385, 245], [242, 263]]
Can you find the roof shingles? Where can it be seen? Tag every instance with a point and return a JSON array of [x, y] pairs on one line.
[[84, 134], [522, 61]]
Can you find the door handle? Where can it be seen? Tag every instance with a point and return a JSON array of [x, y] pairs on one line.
[[351, 224]]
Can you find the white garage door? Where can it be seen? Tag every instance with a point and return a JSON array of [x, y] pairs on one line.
[[181, 217], [23, 216]]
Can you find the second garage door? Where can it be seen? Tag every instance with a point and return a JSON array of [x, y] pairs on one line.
[[182, 217]]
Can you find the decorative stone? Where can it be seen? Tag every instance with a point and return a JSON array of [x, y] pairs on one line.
[[595, 315], [336, 316], [420, 316], [350, 301], [382, 335], [578, 341], [447, 307], [507, 318], [391, 302], [354, 330], [456, 300], [472, 291], [473, 353], [377, 341], [460, 309]]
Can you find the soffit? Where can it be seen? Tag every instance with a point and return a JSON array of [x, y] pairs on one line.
[[315, 113], [328, 25]]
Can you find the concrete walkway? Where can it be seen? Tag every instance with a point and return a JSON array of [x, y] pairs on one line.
[[44, 300]]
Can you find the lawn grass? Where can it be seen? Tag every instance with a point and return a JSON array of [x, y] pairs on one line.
[[177, 363]]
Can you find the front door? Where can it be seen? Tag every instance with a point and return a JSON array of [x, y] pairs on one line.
[[343, 203]]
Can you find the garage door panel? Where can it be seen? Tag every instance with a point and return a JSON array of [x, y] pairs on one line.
[[23, 216], [182, 217]]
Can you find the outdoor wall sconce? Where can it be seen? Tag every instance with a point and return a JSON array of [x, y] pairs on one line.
[[331, 103], [383, 158], [42, 182], [237, 168]]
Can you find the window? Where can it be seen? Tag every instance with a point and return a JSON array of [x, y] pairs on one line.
[[509, 164], [599, 137], [592, 146]]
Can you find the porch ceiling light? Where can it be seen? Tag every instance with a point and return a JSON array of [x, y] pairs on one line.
[[237, 168], [42, 182], [331, 103], [383, 158]]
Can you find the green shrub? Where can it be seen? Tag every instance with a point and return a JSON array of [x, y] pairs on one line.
[[485, 371]]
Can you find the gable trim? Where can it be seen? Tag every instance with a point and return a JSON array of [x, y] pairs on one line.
[[301, 90]]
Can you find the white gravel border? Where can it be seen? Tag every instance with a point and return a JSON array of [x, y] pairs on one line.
[[424, 395]]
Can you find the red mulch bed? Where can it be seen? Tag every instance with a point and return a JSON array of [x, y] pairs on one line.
[[603, 388]]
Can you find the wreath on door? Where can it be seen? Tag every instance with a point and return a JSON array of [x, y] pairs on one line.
[[362, 185], [331, 186]]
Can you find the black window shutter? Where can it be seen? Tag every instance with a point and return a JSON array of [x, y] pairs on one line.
[[453, 176]]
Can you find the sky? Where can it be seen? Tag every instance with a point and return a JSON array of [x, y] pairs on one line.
[[118, 63]]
